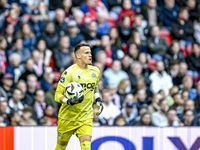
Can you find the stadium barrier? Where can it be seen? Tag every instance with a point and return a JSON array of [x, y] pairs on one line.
[[104, 138]]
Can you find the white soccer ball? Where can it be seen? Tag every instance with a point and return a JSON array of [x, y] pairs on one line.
[[73, 89]]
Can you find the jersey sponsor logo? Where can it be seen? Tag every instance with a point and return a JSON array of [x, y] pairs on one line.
[[62, 79], [94, 76], [89, 86], [79, 77]]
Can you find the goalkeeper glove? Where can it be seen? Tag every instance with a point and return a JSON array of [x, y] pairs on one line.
[[74, 100], [99, 106]]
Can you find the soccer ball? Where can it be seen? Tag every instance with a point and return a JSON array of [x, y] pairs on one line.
[[73, 89]]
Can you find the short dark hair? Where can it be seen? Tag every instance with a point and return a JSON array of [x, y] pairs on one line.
[[77, 47]]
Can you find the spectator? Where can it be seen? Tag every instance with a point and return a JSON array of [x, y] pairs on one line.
[[174, 55], [160, 79], [197, 99], [182, 29], [38, 63], [130, 113], [8, 33], [140, 25], [142, 109], [133, 51], [3, 61], [135, 73], [188, 86], [123, 89], [115, 74], [49, 96], [193, 61], [172, 91], [39, 104], [198, 120], [145, 120], [185, 95], [73, 32], [154, 106], [101, 57], [125, 29], [89, 9], [45, 14], [173, 120], [46, 55], [29, 66], [177, 80], [4, 11], [31, 88], [126, 63], [26, 99], [13, 17], [127, 11], [114, 37], [151, 13], [91, 36], [178, 103], [103, 27], [146, 71], [2, 122], [5, 111], [14, 118], [136, 39], [189, 105], [157, 46], [112, 52], [141, 98], [26, 119], [115, 96], [50, 35], [197, 31], [29, 39], [15, 68], [67, 7], [60, 23], [78, 16], [192, 7], [188, 117], [168, 13], [36, 24], [61, 54], [47, 79], [15, 101], [50, 113], [20, 49], [7, 83], [120, 121], [110, 110], [159, 118]]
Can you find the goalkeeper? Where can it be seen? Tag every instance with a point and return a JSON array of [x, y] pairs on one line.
[[76, 114]]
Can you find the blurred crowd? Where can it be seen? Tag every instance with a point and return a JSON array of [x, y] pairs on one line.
[[148, 53]]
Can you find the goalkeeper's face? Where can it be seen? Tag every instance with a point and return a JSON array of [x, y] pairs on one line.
[[86, 56]]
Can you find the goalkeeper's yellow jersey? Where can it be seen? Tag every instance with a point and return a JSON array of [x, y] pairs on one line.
[[88, 78]]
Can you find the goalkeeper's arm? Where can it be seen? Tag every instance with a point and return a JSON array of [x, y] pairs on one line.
[[98, 101], [59, 97]]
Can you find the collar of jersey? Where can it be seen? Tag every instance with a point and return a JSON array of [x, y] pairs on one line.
[[82, 68]]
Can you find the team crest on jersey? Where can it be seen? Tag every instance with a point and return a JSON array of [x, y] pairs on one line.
[[59, 135], [79, 77], [94, 76], [65, 73], [62, 79]]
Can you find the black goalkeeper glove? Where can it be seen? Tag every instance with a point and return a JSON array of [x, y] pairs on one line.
[[75, 100], [99, 106]]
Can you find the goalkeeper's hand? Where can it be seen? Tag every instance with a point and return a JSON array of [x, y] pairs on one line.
[[74, 100], [99, 106]]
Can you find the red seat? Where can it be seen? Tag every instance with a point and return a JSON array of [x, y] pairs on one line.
[[165, 34]]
